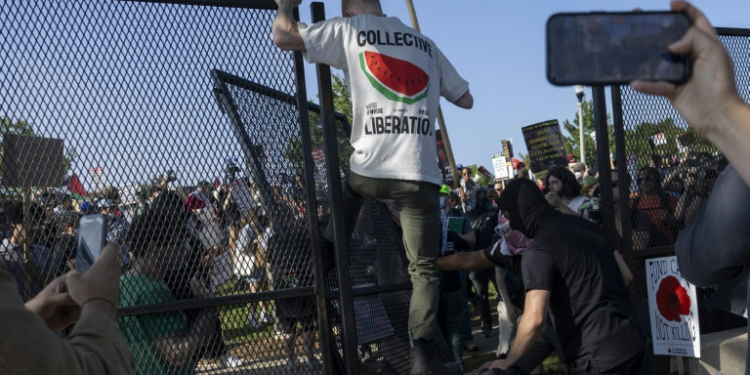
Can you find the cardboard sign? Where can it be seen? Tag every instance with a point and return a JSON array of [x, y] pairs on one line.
[[242, 196], [443, 164], [673, 310], [500, 166], [545, 144], [210, 233]]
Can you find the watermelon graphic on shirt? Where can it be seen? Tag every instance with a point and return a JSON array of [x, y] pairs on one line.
[[396, 79]]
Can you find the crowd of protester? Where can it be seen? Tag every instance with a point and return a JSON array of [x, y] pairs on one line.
[[534, 245]]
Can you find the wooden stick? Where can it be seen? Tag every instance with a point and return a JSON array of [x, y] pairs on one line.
[[441, 120], [680, 365]]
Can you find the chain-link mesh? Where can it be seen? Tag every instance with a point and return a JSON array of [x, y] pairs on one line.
[[109, 108], [672, 171]]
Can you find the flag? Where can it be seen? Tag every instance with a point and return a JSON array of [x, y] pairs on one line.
[[74, 187]]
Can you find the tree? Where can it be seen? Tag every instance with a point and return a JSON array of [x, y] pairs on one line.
[[572, 142], [526, 159], [481, 179], [25, 128], [342, 104], [645, 154]]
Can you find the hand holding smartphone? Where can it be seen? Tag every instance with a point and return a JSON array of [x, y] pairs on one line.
[[92, 236], [600, 49]]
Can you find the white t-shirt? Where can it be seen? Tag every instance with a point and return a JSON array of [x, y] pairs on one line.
[[396, 77], [245, 261]]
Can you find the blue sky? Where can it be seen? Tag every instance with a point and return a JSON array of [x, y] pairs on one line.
[[498, 46], [128, 85]]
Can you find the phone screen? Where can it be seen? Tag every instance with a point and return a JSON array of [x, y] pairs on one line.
[[615, 48], [92, 236]]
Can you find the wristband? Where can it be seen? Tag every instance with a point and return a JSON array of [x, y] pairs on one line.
[[98, 299]]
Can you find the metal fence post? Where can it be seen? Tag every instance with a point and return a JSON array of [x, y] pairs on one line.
[[622, 175], [605, 169], [349, 331], [324, 332]]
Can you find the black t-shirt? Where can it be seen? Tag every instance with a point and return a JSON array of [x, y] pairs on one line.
[[572, 258]]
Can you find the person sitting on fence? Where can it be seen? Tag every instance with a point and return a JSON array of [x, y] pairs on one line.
[[715, 246], [163, 343], [563, 191], [401, 167], [659, 206], [29, 268]]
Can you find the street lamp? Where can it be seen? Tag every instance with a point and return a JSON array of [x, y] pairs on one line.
[[580, 94]]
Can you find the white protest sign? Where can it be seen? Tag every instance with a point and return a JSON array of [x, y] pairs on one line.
[[210, 233], [242, 196], [500, 166], [673, 310]]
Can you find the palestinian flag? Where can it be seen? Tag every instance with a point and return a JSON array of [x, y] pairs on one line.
[[74, 187]]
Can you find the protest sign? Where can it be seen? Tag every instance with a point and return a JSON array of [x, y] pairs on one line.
[[445, 168], [659, 139], [507, 148], [210, 234], [484, 172], [242, 196], [544, 142], [673, 309], [499, 164]]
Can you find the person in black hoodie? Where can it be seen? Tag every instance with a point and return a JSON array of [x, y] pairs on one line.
[[569, 270]]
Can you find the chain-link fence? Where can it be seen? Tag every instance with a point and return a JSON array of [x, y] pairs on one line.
[[671, 171], [188, 132]]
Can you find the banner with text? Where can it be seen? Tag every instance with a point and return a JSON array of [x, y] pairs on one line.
[[445, 167], [544, 141], [673, 310]]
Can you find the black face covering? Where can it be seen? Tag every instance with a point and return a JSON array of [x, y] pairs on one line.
[[526, 205], [482, 201]]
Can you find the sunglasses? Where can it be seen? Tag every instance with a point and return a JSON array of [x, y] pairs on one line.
[[645, 179]]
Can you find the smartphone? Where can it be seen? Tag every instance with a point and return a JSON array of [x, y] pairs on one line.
[[601, 49], [92, 236]]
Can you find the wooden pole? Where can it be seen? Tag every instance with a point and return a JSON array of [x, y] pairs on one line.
[[441, 120], [681, 365]]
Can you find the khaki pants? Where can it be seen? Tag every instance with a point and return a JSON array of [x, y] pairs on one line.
[[419, 208]]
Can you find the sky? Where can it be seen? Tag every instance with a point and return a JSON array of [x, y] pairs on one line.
[[128, 84], [499, 47]]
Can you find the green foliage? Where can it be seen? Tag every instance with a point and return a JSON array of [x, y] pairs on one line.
[[525, 158], [480, 179], [637, 142], [342, 104], [572, 142], [25, 128]]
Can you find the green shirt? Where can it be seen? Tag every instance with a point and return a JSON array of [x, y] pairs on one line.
[[140, 331]]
